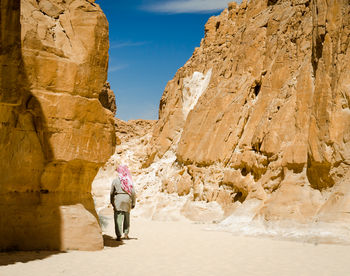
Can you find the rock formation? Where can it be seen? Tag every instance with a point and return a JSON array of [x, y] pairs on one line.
[[258, 118], [107, 98], [54, 134]]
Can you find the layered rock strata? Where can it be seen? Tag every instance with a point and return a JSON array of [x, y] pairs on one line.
[[260, 113], [55, 134]]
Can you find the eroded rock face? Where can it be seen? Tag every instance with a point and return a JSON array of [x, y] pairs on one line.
[[54, 134], [261, 112], [107, 98]]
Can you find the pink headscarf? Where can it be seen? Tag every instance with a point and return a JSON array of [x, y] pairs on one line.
[[125, 178]]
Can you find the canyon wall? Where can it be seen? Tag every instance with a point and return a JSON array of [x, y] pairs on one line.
[[54, 133], [259, 115]]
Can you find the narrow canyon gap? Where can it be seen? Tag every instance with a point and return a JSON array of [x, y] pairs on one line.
[[257, 122]]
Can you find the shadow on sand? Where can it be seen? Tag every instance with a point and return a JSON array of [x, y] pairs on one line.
[[109, 241], [8, 258]]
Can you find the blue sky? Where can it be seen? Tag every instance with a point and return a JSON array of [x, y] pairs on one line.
[[149, 41]]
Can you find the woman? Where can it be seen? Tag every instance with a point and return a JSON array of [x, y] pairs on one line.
[[123, 200]]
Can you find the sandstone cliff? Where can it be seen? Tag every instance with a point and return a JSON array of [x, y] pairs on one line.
[[54, 133], [258, 118]]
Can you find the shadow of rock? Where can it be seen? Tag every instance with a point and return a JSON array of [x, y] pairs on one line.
[[26, 223], [45, 172]]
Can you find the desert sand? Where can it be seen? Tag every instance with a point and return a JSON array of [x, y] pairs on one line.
[[184, 248]]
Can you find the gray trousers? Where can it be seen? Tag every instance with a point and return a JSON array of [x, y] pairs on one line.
[[121, 222]]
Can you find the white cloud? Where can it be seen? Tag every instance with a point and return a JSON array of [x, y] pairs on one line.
[[115, 45], [188, 6], [117, 67]]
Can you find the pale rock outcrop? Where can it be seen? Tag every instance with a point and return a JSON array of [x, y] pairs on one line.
[[259, 115], [54, 134]]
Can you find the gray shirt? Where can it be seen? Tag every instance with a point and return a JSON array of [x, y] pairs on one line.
[[120, 199]]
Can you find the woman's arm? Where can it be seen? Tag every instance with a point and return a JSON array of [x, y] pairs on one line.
[[133, 198], [112, 195]]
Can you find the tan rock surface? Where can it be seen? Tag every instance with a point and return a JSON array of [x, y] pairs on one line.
[[260, 112], [54, 132]]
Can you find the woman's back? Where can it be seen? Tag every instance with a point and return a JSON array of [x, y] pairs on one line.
[[122, 200]]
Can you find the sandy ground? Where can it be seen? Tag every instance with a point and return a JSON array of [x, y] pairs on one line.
[[183, 248]]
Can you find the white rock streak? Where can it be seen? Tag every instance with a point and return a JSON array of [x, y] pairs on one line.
[[193, 88]]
